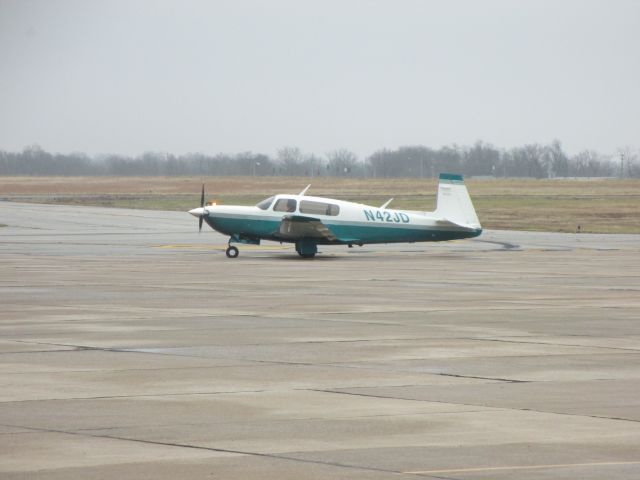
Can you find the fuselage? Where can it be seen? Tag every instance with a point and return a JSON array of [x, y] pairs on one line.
[[348, 222]]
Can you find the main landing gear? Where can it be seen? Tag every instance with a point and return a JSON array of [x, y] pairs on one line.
[[232, 252], [306, 248]]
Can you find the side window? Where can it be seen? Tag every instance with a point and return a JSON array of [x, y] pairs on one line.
[[319, 208], [285, 205]]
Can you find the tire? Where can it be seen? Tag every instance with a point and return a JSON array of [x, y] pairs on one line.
[[232, 252], [306, 247]]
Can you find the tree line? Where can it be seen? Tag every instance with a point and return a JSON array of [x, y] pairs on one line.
[[480, 159]]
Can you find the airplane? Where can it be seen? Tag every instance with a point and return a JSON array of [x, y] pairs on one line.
[[309, 221]]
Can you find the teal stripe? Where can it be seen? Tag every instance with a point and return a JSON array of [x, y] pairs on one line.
[[392, 234], [451, 178], [345, 232]]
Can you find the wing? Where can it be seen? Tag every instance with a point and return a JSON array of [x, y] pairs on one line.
[[298, 226]]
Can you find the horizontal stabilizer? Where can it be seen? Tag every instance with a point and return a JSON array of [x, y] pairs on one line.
[[448, 223]]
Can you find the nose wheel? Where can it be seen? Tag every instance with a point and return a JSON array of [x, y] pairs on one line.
[[232, 252]]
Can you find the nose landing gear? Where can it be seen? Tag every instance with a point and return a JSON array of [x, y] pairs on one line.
[[232, 252]]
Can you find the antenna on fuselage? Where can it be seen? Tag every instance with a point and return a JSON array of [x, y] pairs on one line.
[[387, 203], [305, 190]]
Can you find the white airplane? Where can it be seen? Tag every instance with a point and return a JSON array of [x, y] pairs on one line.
[[311, 221]]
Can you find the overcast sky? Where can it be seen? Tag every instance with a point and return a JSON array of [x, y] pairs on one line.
[[229, 76]]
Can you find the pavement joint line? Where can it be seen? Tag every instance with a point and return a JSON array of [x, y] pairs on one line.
[[379, 368], [559, 344], [524, 467], [142, 395], [212, 449], [73, 348], [505, 380], [493, 407], [81, 348], [424, 475]]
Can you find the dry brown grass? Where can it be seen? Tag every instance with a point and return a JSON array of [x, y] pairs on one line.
[[338, 186], [609, 205]]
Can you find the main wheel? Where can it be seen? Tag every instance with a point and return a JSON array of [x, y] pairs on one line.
[[232, 252], [306, 247]]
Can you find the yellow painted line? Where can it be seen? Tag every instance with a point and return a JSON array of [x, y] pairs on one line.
[[522, 467]]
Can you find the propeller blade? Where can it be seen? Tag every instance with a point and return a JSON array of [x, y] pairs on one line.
[[201, 218]]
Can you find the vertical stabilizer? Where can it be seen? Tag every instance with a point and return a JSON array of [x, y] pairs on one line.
[[454, 203]]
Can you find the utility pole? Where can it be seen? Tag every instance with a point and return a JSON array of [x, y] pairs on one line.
[[621, 164]]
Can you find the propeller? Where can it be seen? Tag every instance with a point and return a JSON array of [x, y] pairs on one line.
[[201, 218], [200, 212]]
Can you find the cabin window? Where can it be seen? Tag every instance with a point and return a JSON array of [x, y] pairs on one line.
[[265, 204], [319, 208], [285, 205]]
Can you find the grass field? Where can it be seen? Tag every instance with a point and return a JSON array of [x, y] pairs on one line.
[[598, 206]]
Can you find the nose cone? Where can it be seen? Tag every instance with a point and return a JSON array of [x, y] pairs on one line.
[[197, 212]]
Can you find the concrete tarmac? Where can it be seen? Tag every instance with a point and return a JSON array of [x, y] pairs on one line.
[[131, 347]]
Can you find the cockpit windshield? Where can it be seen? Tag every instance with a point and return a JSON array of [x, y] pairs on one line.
[[265, 204]]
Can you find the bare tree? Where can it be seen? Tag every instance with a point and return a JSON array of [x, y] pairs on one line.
[[342, 162], [290, 160], [481, 159], [628, 159]]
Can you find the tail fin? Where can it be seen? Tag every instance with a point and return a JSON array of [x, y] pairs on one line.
[[454, 203]]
